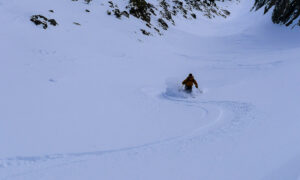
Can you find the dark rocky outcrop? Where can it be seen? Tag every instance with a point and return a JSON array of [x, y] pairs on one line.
[[285, 11], [145, 32], [87, 1], [165, 10], [163, 24], [76, 23], [157, 15], [141, 9], [42, 20]]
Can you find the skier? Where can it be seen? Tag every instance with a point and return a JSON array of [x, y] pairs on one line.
[[189, 82]]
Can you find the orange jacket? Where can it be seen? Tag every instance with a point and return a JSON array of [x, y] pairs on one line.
[[189, 82]]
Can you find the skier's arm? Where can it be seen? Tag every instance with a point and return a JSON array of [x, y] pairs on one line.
[[183, 82], [196, 84]]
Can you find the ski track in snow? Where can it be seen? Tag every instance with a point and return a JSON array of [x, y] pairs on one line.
[[237, 116], [235, 64]]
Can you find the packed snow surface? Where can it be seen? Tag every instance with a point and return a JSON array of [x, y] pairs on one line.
[[102, 101]]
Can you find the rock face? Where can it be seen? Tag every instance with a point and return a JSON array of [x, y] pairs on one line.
[[285, 12], [141, 9], [160, 14], [157, 15]]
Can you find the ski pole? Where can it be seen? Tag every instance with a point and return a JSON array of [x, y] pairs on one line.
[[200, 91]]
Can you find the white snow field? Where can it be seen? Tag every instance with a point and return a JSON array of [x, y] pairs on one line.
[[101, 101]]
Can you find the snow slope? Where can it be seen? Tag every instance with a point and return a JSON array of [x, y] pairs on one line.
[[101, 101]]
